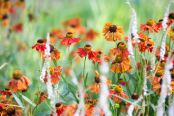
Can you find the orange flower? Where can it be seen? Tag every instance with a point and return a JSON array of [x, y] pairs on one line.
[[40, 46], [55, 54], [42, 97], [54, 35], [134, 96], [55, 74], [120, 50], [98, 58], [6, 92], [118, 90], [69, 39], [158, 76], [19, 82], [112, 32], [149, 26], [95, 87], [171, 33], [17, 27], [60, 109], [120, 64], [72, 109], [172, 73], [20, 3], [5, 20], [12, 111], [91, 35], [158, 25], [6, 4], [86, 50], [142, 46], [149, 45]]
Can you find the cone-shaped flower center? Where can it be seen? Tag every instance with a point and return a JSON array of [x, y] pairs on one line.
[[58, 105], [112, 28], [119, 59], [172, 73], [95, 102], [22, 0], [51, 48], [121, 80], [160, 21], [121, 46], [90, 101], [97, 79], [7, 90], [135, 96], [150, 22], [87, 47], [99, 54], [42, 94], [5, 16], [149, 45], [51, 70], [11, 110], [166, 54], [171, 15], [159, 73], [143, 39], [118, 89], [40, 41], [163, 63], [69, 35], [161, 81], [17, 75]]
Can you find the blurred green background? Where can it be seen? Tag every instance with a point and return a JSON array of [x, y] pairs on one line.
[[49, 14]]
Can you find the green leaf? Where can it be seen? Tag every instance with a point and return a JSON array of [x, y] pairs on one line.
[[55, 63], [42, 113], [130, 100], [28, 100], [132, 78], [17, 99]]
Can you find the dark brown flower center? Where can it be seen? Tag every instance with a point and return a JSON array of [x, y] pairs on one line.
[[99, 54], [17, 75], [7, 90], [171, 15], [161, 81], [121, 45], [149, 45], [97, 79], [132, 35], [42, 94], [112, 28], [166, 54], [160, 21], [40, 41], [5, 16], [73, 26], [58, 105], [51, 48], [87, 47], [135, 96], [11, 110]]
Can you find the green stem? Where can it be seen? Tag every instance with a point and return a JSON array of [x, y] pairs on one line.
[[69, 56], [84, 68]]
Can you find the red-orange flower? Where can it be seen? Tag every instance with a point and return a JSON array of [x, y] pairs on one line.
[[95, 87], [149, 45], [91, 35], [69, 39], [55, 54], [134, 96], [5, 20], [120, 64], [86, 50], [60, 109], [158, 25], [132, 40], [149, 26], [72, 109], [54, 35], [17, 27], [118, 90], [112, 32], [19, 82], [120, 50], [6, 92], [12, 111], [40, 46], [98, 58], [42, 97], [55, 74]]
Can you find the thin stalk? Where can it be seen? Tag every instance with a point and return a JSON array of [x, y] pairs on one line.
[[84, 68]]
